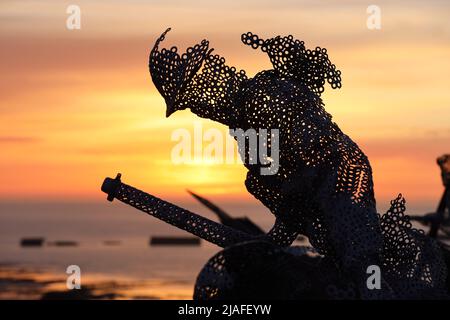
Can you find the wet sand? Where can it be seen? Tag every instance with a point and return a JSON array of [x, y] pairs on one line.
[[24, 283]]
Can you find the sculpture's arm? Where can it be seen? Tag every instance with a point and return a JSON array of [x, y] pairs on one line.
[[204, 228]]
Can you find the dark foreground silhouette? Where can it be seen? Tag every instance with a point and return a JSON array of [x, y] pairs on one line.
[[322, 189], [440, 220]]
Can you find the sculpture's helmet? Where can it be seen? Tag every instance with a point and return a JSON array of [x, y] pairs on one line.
[[216, 91], [171, 73], [210, 93]]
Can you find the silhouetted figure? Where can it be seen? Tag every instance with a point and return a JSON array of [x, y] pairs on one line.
[[323, 187], [441, 217]]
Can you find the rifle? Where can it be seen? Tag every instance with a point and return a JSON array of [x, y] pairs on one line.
[[209, 230]]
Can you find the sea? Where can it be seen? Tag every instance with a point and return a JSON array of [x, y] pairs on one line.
[[111, 249], [111, 246]]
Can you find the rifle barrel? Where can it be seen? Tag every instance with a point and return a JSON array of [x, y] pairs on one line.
[[195, 224]]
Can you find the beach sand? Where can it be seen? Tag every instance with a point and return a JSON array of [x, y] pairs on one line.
[[24, 283]]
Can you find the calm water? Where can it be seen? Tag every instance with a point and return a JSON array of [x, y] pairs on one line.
[[90, 224]]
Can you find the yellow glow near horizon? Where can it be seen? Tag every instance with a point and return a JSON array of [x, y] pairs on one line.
[[79, 105]]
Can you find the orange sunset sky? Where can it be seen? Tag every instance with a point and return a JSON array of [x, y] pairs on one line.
[[79, 105]]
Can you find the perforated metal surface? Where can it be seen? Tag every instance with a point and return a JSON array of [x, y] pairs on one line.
[[323, 188], [412, 262], [204, 228]]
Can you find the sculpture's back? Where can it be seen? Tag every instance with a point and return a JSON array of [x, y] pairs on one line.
[[324, 182]]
